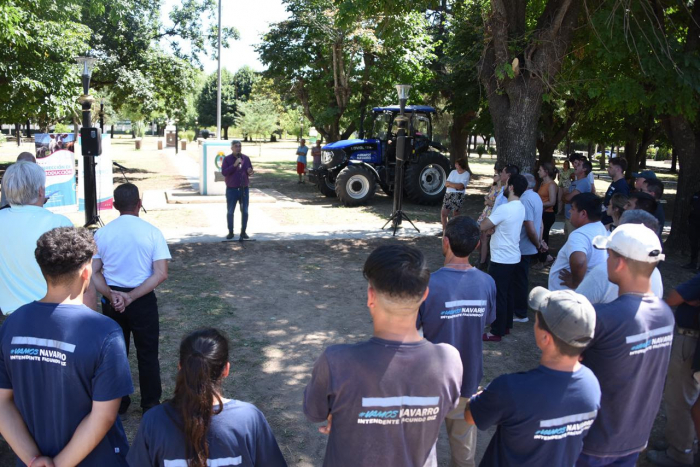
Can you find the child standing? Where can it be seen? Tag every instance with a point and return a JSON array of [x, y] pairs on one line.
[[302, 151]]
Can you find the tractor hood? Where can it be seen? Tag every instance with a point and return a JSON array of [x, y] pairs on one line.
[[346, 143]]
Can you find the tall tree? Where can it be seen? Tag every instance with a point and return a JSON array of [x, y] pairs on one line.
[[336, 61], [207, 101], [526, 42]]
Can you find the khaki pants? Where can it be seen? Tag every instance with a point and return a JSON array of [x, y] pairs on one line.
[[680, 394], [462, 437]]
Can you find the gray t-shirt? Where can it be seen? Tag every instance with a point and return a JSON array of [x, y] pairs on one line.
[[583, 186], [533, 212], [388, 400]]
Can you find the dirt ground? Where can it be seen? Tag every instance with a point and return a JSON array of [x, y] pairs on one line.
[[282, 302]]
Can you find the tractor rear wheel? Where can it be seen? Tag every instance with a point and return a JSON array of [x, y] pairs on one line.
[[425, 180]]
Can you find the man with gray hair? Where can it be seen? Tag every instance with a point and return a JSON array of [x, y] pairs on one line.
[[237, 169], [23, 223], [530, 243], [23, 156], [595, 285]]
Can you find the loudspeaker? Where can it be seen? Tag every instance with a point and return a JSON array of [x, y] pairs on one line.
[[91, 141]]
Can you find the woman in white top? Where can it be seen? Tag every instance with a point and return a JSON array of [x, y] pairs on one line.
[[456, 188]]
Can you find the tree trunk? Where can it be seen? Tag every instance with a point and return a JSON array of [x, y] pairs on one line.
[[631, 152], [226, 133], [515, 126], [29, 129], [603, 157], [686, 142], [459, 139], [674, 160], [591, 151], [18, 134]]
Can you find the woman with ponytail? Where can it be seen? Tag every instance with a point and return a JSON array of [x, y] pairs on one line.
[[198, 426]]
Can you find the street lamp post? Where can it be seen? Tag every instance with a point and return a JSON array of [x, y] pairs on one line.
[[402, 123], [90, 187], [102, 115]]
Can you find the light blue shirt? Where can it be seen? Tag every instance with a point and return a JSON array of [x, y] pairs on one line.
[[302, 151], [21, 280]]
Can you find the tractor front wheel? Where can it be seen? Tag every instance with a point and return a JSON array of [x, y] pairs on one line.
[[355, 185]]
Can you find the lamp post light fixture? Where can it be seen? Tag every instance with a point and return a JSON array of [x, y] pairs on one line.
[[401, 121], [89, 185]]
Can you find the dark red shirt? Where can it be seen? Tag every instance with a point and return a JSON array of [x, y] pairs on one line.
[[236, 176]]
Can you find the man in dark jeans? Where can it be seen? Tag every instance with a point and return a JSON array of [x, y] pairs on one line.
[[694, 231], [131, 261], [505, 223], [237, 169]]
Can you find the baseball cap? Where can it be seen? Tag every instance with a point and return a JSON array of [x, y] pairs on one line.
[[570, 316], [646, 174], [633, 241]]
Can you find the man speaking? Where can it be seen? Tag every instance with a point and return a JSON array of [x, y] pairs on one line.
[[236, 168]]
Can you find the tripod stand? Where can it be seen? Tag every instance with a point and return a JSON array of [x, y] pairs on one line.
[[397, 214]]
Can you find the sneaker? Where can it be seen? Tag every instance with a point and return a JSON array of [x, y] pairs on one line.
[[229, 236], [244, 236], [520, 320], [662, 459], [488, 337], [690, 265]]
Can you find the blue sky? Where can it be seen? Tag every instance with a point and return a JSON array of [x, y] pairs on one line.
[[251, 18]]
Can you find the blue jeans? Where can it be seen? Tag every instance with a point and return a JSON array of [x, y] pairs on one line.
[[233, 196], [585, 460]]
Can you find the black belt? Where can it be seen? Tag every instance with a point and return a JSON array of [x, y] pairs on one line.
[[688, 332], [121, 289]]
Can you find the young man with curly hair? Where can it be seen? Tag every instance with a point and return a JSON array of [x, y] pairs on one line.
[[63, 367]]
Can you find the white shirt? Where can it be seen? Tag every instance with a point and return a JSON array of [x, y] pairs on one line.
[[598, 289], [533, 212], [456, 177], [21, 281], [580, 239], [591, 179], [128, 246], [505, 242]]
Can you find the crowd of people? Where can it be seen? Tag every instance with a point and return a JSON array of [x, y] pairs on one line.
[[610, 347]]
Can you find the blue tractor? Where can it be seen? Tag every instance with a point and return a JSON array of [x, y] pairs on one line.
[[352, 169]]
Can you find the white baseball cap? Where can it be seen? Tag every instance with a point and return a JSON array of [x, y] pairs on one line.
[[633, 241]]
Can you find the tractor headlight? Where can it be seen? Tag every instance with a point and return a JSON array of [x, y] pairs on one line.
[[326, 157]]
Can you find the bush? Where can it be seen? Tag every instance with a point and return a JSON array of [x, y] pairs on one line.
[[480, 150], [61, 128], [189, 135], [492, 151], [661, 154], [205, 134]]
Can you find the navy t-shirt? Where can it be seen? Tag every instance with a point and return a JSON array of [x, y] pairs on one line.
[[460, 304], [619, 186], [58, 359], [629, 354], [542, 416], [388, 400], [688, 316], [239, 436]]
